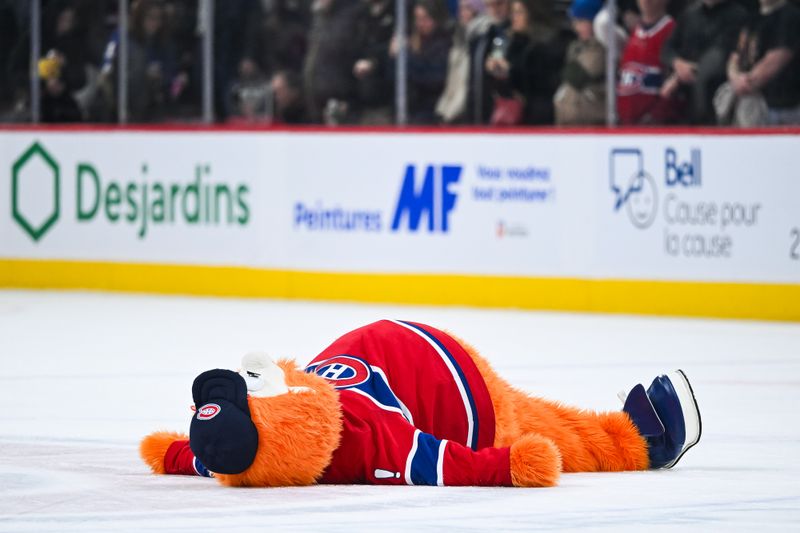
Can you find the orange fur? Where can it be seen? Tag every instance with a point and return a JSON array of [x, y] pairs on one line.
[[588, 441], [154, 446], [297, 433], [535, 462]]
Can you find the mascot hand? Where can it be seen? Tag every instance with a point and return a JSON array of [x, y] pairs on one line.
[[535, 462]]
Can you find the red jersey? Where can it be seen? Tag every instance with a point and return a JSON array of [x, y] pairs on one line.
[[641, 75], [415, 408]]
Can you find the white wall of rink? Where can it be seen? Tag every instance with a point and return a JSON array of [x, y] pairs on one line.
[[655, 207]]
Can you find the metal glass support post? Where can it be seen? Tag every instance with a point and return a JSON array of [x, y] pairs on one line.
[[401, 64], [611, 64], [207, 15], [122, 63]]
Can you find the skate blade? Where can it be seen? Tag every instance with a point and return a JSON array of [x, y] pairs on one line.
[[691, 413]]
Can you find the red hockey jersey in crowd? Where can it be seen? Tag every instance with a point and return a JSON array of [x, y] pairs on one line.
[[641, 76], [415, 408]]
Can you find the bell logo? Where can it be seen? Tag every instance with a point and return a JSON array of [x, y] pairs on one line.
[[434, 198], [35, 191]]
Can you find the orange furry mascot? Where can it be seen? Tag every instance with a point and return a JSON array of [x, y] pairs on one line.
[[398, 402]]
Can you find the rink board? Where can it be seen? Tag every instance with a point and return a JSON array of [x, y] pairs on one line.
[[682, 224]]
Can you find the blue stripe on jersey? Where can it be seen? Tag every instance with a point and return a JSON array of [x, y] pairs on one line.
[[461, 376], [424, 462]]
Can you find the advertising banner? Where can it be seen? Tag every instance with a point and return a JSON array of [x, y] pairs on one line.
[[702, 208], [706, 208], [131, 197]]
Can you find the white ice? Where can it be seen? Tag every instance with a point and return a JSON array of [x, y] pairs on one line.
[[85, 375]]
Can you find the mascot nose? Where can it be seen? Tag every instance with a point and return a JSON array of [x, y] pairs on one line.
[[222, 435]]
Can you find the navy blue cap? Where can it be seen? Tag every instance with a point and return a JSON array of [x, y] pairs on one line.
[[222, 435]]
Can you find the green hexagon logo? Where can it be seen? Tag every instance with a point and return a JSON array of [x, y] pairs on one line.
[[35, 191]]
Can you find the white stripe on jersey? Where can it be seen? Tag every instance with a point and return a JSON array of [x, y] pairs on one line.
[[456, 379], [643, 33], [410, 457], [440, 464]]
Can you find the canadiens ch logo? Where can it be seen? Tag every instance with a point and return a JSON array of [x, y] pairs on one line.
[[208, 411], [343, 371]]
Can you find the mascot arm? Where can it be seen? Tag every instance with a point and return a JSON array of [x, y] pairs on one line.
[[489, 467], [532, 461], [402, 453], [166, 452]]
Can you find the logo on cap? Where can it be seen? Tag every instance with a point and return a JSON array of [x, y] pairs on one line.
[[208, 411]]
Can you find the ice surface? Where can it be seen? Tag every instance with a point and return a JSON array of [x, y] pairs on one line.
[[86, 375]]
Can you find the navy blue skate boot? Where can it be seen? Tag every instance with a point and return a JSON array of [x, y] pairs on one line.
[[667, 416]]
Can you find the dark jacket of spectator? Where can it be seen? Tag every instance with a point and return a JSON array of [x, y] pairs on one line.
[[705, 34], [529, 69], [70, 41], [493, 42], [287, 88], [332, 51], [536, 60], [58, 105], [702, 27], [371, 69], [427, 64], [279, 41], [152, 62], [233, 29], [776, 29], [481, 84]]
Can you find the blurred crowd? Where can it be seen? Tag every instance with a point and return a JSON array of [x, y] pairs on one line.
[[485, 62]]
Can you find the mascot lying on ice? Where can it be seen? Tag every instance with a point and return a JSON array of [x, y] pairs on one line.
[[404, 403]]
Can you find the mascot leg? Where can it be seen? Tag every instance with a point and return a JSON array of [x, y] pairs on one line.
[[588, 441]]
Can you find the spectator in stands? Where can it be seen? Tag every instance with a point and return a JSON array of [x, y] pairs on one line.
[[428, 48], [641, 75], [530, 70], [58, 104], [180, 17], [697, 52], [330, 86], [768, 61], [234, 22], [287, 90], [371, 69], [494, 41], [628, 18], [472, 21], [581, 98], [274, 51], [68, 94], [152, 62], [287, 34], [251, 94], [278, 41]]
